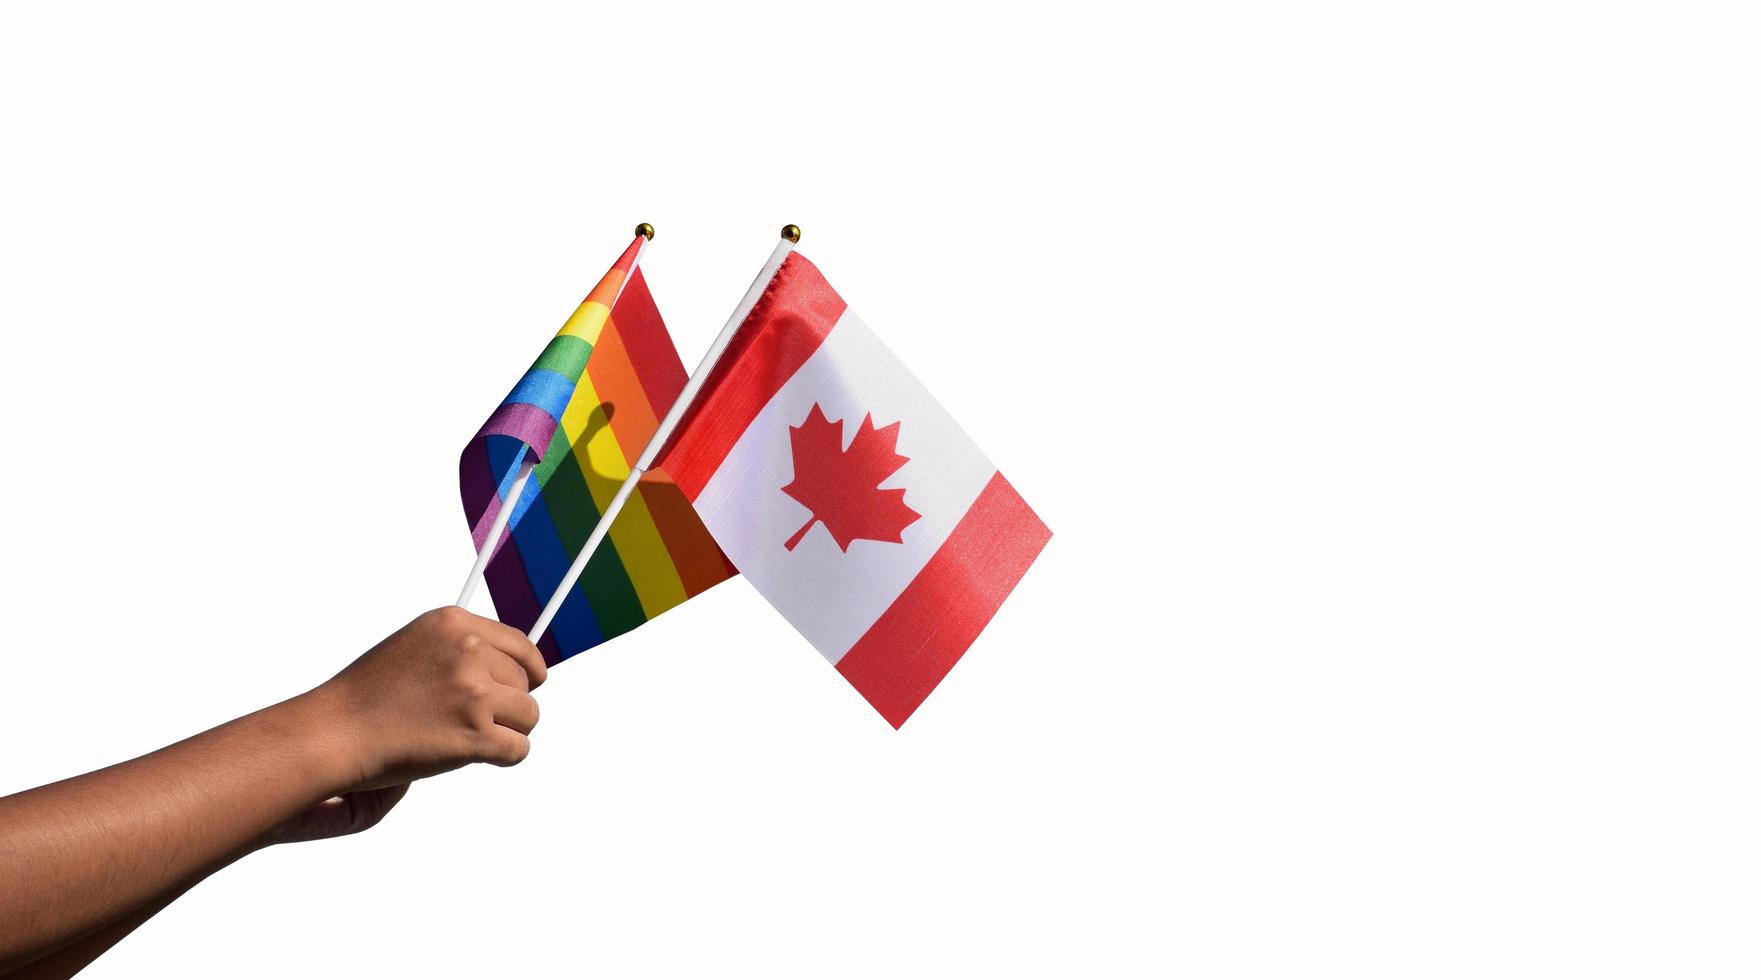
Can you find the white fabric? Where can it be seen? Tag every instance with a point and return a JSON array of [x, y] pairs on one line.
[[831, 596]]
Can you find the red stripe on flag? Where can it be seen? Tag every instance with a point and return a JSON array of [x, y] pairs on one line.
[[914, 644], [796, 312], [650, 347]]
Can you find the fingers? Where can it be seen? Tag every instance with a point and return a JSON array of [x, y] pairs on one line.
[[498, 668], [504, 747], [502, 735], [503, 669], [515, 709], [514, 643], [472, 632]]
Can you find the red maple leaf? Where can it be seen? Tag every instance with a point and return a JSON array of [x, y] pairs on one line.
[[842, 486]]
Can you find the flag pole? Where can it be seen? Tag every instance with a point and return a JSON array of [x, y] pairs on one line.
[[790, 236], [521, 471]]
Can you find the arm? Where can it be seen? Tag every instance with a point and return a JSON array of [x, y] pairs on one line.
[[338, 816], [77, 955], [88, 858]]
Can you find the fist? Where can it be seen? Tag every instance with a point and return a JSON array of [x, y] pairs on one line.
[[449, 689]]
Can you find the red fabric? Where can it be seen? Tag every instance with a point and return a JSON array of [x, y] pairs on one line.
[[649, 345], [842, 486], [914, 644], [783, 330]]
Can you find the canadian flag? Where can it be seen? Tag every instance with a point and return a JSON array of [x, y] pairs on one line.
[[847, 496]]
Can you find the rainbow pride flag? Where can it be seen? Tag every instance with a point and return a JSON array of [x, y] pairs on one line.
[[583, 412]]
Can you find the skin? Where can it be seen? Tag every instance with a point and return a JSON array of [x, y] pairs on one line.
[[88, 859]]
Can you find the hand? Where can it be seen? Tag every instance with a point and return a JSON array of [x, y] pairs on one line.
[[90, 858], [449, 689]]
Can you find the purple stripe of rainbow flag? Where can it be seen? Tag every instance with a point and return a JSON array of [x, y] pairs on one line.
[[584, 411]]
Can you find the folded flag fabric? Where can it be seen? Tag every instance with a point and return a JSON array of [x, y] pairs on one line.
[[584, 412], [847, 496]]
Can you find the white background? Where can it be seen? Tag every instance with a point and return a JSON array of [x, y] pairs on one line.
[[1387, 373]]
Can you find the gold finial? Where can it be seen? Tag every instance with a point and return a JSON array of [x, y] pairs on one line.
[[646, 230], [792, 233]]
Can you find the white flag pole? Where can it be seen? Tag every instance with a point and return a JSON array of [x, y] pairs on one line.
[[791, 235], [522, 468]]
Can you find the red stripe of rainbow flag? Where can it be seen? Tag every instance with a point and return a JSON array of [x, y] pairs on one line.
[[585, 410]]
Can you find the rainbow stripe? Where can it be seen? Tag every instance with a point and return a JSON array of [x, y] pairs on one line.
[[583, 412]]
